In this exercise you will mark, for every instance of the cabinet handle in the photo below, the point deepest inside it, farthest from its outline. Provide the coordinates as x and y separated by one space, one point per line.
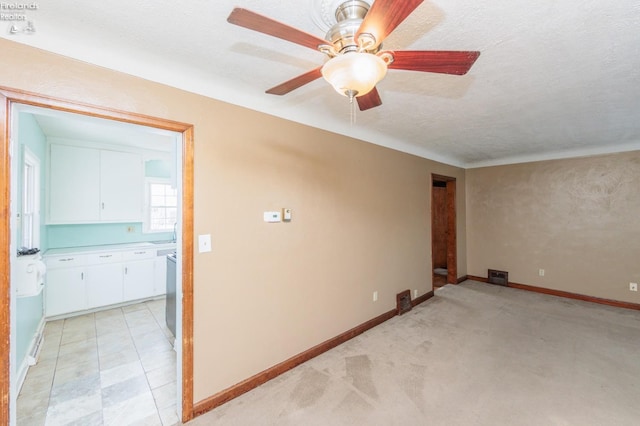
139 252
102 206
68 259
106 255
82 275
126 270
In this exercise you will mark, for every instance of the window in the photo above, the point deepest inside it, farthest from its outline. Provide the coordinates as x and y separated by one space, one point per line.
163 207
30 220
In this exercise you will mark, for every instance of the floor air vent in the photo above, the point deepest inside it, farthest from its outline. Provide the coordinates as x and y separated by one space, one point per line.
498 277
403 300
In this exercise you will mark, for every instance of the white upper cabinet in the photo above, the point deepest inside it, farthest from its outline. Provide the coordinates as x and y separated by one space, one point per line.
88 185
74 184
121 186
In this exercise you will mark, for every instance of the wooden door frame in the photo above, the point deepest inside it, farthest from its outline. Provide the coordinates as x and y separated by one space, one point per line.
8 97
452 249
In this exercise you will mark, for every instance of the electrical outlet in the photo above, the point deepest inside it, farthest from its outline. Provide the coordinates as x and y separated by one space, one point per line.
375 296
415 293
633 286
541 272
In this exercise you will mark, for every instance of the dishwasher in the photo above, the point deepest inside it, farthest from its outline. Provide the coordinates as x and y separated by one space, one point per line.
170 305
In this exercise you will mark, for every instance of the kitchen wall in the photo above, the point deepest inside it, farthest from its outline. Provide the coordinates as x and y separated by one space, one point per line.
29 310
158 169
577 219
361 219
91 234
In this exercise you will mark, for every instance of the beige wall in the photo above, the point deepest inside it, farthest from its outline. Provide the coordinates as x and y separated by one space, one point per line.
578 219
361 219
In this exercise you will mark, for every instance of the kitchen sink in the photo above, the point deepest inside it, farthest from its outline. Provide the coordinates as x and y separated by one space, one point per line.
164 252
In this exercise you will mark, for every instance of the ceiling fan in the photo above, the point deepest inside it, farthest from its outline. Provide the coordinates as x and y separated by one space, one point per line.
357 61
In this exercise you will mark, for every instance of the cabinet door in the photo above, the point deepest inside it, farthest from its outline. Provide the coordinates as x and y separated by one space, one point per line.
65 291
138 279
160 276
104 285
74 184
121 186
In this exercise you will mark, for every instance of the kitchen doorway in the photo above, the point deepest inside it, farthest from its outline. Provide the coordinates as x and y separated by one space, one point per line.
443 230
13 103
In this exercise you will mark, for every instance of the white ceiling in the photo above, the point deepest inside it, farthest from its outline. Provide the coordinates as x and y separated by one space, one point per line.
554 79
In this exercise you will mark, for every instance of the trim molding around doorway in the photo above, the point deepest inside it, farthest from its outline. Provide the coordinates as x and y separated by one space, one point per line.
10 96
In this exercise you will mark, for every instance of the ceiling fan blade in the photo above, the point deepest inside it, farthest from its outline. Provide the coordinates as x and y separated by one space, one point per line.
294 83
384 16
442 61
253 21
370 100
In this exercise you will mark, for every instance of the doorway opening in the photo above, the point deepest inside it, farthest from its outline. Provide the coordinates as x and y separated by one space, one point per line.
11 105
443 230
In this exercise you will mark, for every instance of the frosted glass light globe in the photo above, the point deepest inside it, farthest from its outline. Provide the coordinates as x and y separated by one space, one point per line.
354 73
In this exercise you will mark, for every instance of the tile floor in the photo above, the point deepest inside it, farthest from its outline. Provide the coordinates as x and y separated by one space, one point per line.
114 367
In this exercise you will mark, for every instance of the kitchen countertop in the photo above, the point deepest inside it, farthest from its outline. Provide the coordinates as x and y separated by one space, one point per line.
110 247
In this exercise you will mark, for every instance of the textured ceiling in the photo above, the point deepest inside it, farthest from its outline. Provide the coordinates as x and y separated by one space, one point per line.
555 79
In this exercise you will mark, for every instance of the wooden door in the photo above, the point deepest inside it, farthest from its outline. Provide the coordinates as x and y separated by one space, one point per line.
443 226
439 226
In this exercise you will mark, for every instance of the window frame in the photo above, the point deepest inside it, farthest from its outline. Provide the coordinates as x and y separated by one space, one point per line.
30 201
146 228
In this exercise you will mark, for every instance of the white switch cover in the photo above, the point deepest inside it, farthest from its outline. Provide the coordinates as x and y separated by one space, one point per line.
272 216
204 243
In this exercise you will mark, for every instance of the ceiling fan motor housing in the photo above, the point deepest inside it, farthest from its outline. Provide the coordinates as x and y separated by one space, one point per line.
352 9
349 17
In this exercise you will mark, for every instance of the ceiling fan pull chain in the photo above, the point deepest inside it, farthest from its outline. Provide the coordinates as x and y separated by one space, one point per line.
352 107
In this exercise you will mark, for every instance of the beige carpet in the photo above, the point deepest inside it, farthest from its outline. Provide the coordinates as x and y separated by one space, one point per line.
475 354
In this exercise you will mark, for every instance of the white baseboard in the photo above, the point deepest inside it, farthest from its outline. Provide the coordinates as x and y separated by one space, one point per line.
31 358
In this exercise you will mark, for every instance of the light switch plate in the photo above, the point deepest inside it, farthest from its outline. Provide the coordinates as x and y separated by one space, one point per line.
286 215
204 243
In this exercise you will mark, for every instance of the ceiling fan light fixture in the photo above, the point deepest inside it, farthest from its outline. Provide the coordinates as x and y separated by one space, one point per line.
354 73
354 45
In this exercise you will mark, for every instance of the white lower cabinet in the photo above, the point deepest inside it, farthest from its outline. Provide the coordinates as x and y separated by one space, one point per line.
65 291
104 285
138 279
138 273
77 282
